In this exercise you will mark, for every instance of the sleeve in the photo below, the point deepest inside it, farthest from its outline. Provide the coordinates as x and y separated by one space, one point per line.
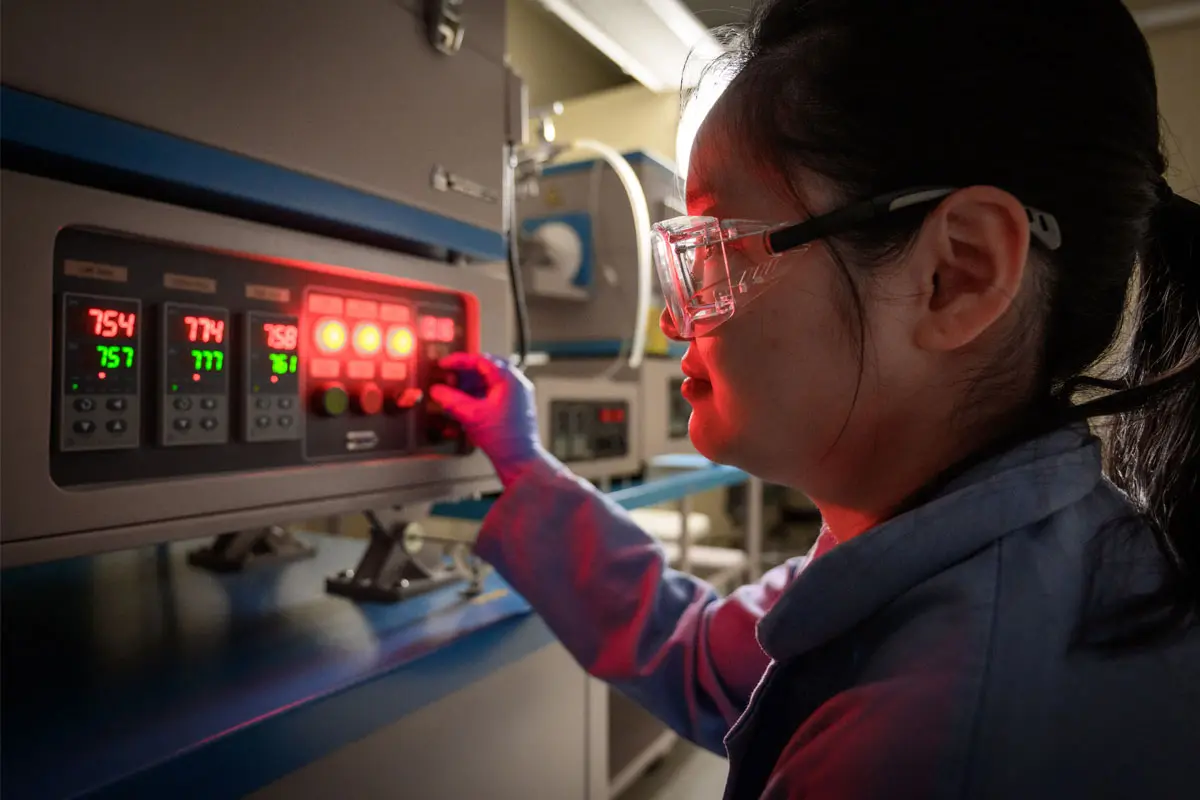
602 585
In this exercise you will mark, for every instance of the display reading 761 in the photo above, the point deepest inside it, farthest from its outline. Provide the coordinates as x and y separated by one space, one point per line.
195 348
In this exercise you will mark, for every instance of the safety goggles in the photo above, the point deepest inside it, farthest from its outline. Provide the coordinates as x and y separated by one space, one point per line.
710 267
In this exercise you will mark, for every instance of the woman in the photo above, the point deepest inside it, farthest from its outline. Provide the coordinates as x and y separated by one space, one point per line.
985 614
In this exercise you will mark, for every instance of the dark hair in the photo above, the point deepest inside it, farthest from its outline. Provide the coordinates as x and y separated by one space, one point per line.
1054 101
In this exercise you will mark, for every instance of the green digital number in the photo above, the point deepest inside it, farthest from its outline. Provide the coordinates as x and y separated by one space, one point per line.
283 364
208 360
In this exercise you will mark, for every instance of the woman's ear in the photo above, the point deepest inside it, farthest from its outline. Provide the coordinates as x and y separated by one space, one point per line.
975 247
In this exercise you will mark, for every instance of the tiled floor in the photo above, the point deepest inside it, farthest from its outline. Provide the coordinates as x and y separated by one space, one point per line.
688 773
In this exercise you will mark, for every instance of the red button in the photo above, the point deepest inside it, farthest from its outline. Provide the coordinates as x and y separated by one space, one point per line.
370 399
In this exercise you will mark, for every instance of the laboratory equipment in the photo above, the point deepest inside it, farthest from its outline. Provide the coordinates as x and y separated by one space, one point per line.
227 279
586 259
408 101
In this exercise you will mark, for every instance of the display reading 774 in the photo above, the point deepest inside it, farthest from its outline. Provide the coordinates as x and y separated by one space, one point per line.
195 349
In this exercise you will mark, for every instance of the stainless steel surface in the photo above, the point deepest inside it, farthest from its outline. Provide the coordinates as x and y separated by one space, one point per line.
349 91
40 520
519 733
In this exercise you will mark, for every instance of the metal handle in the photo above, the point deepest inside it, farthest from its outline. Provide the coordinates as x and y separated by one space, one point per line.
444 22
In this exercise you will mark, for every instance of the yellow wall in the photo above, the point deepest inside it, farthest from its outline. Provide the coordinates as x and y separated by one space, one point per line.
628 118
555 62
1176 53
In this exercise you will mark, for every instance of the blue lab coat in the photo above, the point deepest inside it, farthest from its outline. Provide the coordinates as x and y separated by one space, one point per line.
933 656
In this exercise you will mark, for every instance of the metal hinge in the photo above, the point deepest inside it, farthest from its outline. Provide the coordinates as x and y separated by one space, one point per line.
444 21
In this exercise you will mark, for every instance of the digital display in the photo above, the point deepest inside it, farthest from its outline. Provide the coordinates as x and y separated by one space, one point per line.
273 343
196 347
100 345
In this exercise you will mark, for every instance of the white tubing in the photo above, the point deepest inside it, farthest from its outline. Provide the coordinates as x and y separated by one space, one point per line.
641 225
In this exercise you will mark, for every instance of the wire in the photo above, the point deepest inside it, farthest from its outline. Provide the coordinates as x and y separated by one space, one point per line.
641 220
520 306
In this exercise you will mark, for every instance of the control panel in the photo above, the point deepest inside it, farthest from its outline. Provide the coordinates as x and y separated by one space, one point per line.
173 361
587 430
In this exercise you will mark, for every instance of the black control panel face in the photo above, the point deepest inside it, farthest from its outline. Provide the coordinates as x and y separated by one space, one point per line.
679 411
588 430
172 361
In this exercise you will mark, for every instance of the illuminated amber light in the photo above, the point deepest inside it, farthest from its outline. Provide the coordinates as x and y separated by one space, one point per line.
400 342
331 335
367 339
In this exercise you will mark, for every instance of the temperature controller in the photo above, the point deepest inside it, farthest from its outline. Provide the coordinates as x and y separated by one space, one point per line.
175 362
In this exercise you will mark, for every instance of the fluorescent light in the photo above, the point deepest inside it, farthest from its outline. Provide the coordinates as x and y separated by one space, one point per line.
651 40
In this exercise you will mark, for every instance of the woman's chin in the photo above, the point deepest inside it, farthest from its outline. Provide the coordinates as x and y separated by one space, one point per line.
709 438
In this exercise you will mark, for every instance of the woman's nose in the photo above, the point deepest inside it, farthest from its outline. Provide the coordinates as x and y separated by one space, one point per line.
667 325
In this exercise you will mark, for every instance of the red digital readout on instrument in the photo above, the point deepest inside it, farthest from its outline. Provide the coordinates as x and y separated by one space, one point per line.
112 324
281 336
437 329
205 329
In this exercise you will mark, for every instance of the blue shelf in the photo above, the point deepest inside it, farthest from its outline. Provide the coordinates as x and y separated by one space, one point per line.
703 476
133 674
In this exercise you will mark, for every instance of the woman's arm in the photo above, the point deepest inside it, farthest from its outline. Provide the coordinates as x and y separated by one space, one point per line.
602 585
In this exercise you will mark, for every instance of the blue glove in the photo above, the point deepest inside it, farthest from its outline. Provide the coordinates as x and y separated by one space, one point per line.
500 419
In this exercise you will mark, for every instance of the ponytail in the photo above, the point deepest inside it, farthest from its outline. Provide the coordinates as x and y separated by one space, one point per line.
1154 442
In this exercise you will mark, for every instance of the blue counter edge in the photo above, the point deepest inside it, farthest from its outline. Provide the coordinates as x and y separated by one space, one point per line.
51 127
261 753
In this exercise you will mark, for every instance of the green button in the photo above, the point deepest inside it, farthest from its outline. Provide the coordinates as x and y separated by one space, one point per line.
336 401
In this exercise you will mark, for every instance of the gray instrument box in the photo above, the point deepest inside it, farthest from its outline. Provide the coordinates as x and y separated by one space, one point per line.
599 301
351 91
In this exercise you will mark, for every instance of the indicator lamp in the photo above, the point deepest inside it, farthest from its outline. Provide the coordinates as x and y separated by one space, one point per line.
400 342
367 339
331 335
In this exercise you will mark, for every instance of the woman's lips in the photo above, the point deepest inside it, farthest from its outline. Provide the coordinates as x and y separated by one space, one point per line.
694 389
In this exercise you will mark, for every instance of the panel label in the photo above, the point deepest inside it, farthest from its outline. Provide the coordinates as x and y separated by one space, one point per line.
99 272
190 283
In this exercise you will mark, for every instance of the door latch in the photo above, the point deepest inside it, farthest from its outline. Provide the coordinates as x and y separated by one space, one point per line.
444 22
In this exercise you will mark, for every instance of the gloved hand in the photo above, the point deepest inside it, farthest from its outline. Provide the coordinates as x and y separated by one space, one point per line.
502 421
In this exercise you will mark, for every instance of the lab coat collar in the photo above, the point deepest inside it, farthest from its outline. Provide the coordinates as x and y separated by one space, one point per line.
854 580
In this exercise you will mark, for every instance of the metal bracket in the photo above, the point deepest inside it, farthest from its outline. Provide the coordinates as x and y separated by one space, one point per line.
389 571
234 552
444 22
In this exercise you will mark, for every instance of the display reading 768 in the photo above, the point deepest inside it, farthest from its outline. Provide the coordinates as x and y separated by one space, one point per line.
196 348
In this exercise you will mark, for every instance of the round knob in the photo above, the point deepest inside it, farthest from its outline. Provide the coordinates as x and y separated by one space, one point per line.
369 399
409 398
331 400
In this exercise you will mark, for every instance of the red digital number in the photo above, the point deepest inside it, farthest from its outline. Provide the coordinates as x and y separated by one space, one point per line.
428 328
111 323
445 330
281 336
205 329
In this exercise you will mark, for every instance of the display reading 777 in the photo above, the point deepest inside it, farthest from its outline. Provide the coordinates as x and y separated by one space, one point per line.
195 347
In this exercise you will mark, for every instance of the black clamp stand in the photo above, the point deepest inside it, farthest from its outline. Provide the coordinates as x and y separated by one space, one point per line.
234 552
389 571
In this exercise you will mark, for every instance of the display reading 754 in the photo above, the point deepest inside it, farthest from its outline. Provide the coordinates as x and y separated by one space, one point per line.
100 345
196 347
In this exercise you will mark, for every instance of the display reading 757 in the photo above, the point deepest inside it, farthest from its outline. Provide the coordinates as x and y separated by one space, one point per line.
196 343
